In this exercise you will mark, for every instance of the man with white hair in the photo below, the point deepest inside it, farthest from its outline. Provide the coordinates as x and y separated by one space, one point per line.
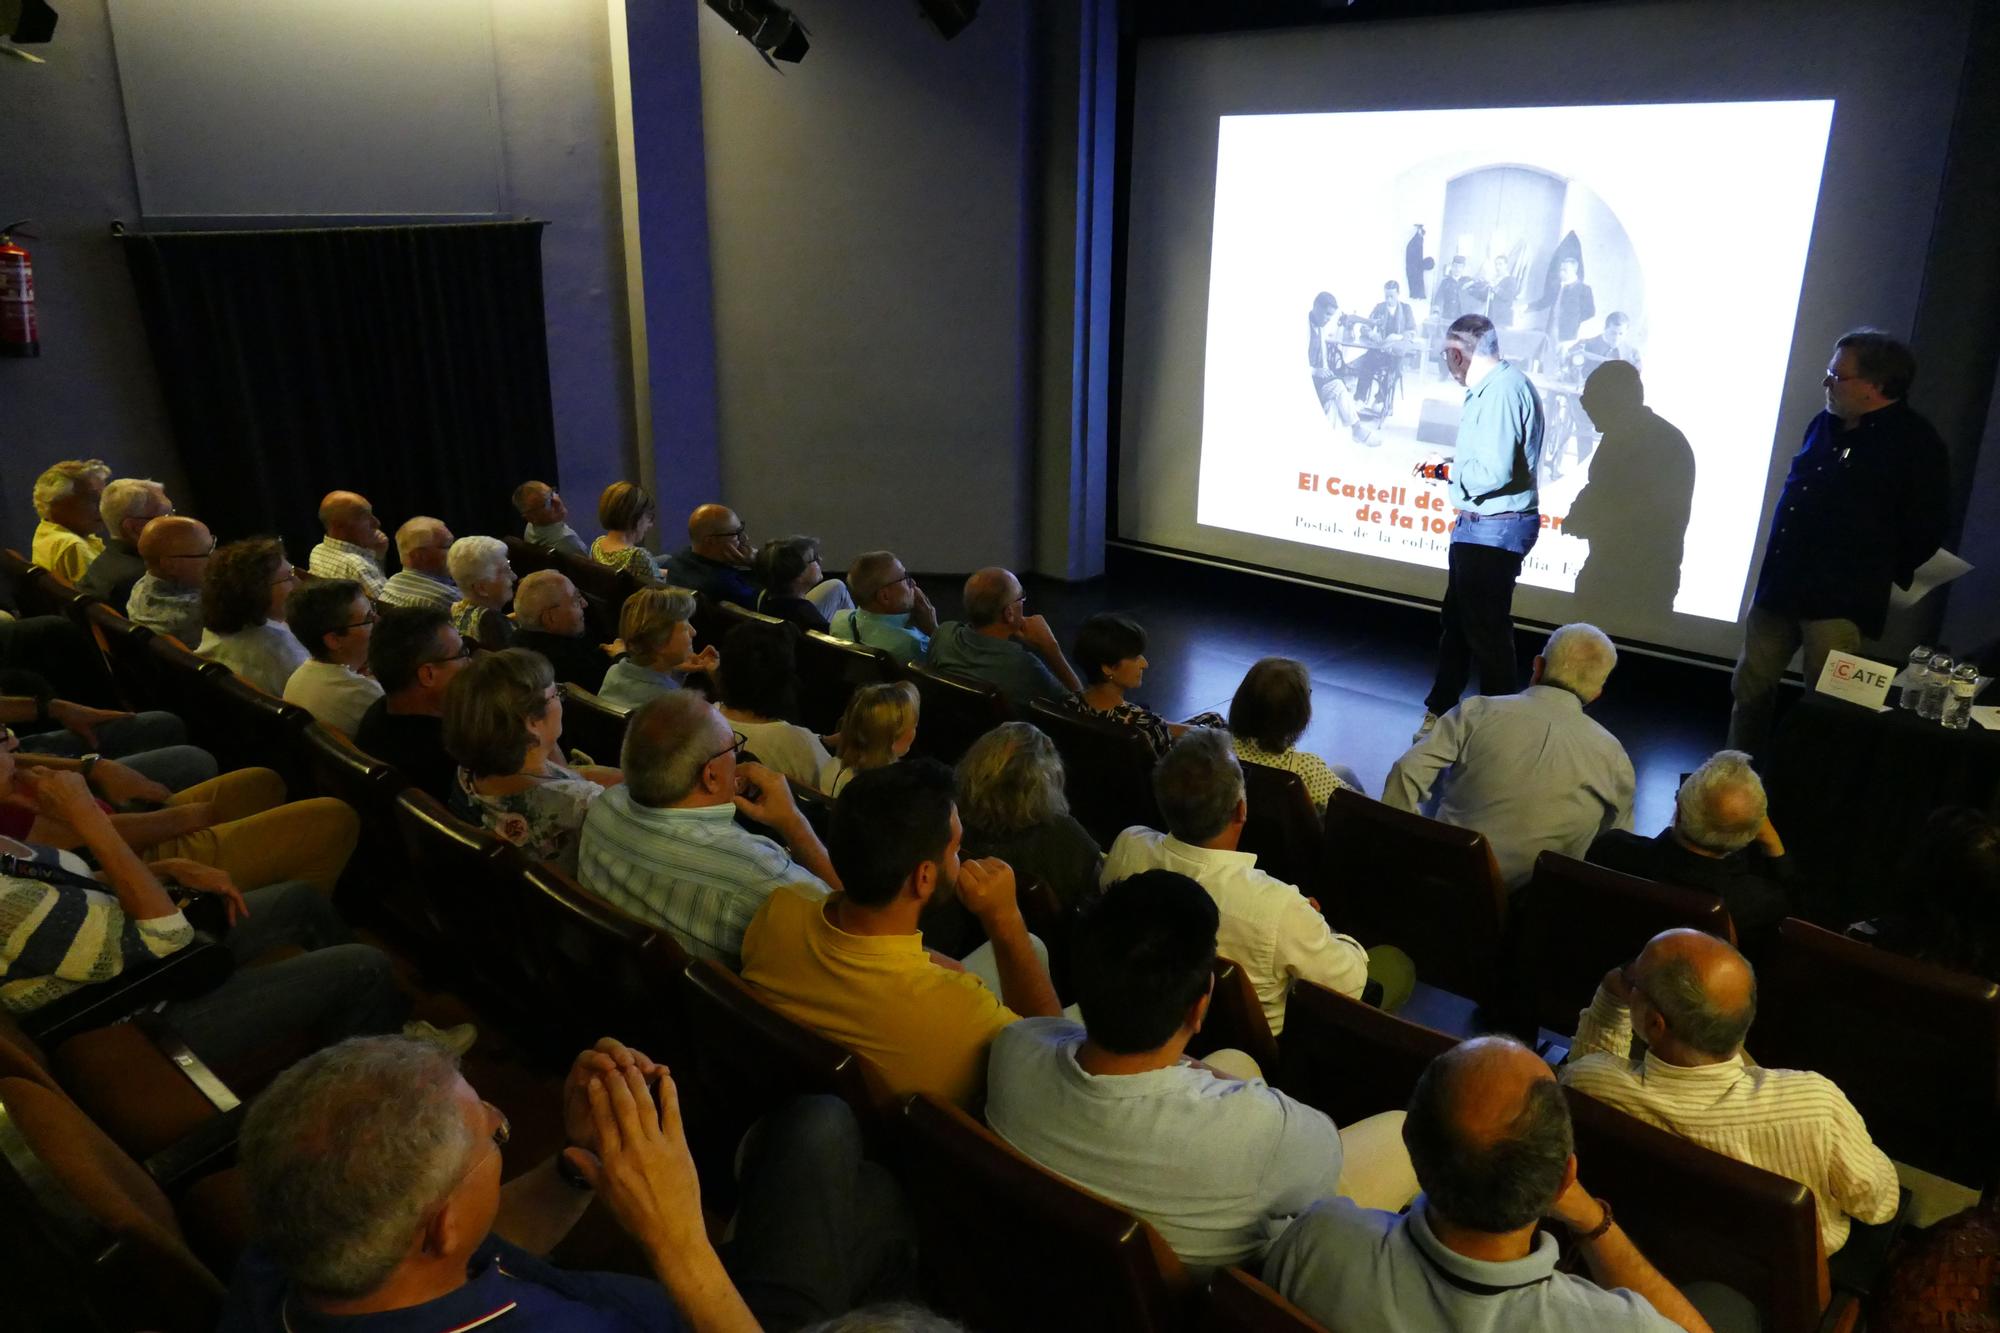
66 500
354 542
129 504
549 617
422 544
546 519
1721 842
1528 770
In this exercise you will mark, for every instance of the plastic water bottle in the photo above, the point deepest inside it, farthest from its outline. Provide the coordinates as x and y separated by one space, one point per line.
1914 680
1957 712
1930 704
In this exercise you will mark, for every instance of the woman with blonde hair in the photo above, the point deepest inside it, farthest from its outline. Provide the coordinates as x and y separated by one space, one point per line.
485 582
877 729
625 512
656 626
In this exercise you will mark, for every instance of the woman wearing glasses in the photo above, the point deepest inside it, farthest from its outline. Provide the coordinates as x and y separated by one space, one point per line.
243 594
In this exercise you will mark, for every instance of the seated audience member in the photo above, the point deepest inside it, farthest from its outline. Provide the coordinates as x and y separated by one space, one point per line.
1000 643
1208 1153
656 626
547 519
374 1170
789 569
128 504
485 582
414 654
167 597
1011 797
1489 1133
854 965
354 542
333 618
92 929
1951 893
61 733
1528 770
716 560
1721 842
550 618
625 512
890 611
1111 661
1270 929
423 545
35 650
1271 709
243 598
878 728
67 498
665 846
1690 999
502 719
757 679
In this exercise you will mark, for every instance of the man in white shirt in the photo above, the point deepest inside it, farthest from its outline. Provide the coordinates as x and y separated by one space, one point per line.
1211 1160
421 545
546 519
354 542
167 597
1528 770
1268 928
334 619
1690 998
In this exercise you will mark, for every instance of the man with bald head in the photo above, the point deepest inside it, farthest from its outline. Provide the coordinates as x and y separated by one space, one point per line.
1528 770
1489 1133
167 598
1688 1000
1000 643
354 542
716 560
549 618
890 611
423 581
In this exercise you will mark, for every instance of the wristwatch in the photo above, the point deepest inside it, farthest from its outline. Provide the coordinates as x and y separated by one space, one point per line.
89 763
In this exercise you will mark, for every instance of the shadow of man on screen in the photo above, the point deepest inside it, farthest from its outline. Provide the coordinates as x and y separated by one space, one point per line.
1634 509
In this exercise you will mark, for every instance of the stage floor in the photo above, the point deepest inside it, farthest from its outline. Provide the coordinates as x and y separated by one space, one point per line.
1371 664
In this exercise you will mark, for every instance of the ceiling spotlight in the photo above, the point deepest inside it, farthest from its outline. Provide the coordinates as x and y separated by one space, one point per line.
774 30
949 16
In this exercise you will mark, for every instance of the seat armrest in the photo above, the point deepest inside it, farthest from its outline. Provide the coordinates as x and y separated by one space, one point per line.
171 1044
195 970
204 1152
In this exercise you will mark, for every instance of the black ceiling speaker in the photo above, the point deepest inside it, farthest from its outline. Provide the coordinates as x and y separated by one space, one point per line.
774 30
949 16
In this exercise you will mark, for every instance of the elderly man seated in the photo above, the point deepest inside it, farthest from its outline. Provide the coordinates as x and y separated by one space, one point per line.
67 498
890 610
665 845
716 560
549 618
1204 1151
1528 770
353 545
1269 928
414 655
129 504
422 545
167 598
1489 1133
1721 842
546 519
1000 643
1690 998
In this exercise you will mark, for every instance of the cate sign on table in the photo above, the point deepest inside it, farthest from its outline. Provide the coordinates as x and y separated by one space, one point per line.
1855 679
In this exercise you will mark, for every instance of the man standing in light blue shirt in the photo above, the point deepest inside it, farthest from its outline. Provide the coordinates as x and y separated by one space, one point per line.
1493 474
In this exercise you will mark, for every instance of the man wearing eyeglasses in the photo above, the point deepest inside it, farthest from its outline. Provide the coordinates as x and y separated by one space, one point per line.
1000 643
422 545
546 518
1864 505
414 654
716 560
167 598
128 505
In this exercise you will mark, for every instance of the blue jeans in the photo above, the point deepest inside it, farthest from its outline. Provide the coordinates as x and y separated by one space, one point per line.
336 989
153 744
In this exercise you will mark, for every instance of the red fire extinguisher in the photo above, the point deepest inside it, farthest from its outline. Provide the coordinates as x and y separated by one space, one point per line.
17 298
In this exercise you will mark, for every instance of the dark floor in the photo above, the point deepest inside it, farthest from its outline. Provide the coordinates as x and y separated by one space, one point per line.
1371 662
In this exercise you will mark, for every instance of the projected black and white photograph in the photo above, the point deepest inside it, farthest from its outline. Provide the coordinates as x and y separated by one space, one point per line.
1639 265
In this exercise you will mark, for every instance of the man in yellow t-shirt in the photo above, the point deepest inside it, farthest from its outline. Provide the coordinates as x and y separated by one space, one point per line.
66 500
854 966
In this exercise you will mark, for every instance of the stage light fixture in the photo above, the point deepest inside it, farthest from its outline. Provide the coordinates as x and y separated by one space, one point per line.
774 30
949 16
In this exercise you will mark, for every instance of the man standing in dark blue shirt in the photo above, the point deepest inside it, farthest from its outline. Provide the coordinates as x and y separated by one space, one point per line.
1864 505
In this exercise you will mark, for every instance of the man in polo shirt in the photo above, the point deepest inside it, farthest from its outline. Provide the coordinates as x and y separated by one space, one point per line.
68 498
854 966
354 542
890 611
546 519
1000 643
128 505
1209 1158
664 845
1489 1133
1493 488
167 598
422 545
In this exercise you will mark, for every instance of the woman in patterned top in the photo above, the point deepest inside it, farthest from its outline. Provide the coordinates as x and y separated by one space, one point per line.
625 512
502 716
1110 659
1270 712
485 581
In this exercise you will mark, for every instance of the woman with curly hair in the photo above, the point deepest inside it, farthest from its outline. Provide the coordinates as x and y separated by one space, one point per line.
243 597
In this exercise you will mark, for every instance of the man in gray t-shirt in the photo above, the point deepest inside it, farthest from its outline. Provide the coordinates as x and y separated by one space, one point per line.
1000 643
1211 1160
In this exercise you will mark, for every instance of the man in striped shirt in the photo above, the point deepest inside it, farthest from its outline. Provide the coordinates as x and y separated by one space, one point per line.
354 542
421 545
1689 998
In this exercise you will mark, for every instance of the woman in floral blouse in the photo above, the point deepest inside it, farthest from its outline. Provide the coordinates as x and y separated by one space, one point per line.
1110 659
625 512
1271 710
